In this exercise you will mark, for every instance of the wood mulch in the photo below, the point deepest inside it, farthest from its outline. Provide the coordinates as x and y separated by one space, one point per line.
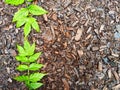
80 41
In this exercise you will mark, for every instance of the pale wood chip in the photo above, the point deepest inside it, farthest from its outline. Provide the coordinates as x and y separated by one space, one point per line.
109 73
117 87
105 88
45 17
100 66
78 34
89 36
102 28
80 52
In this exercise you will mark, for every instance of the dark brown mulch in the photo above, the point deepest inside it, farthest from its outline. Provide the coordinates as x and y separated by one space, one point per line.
80 41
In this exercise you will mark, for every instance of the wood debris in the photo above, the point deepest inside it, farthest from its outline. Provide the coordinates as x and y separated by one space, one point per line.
78 34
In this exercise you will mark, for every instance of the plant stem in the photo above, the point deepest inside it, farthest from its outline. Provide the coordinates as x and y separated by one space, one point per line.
28 74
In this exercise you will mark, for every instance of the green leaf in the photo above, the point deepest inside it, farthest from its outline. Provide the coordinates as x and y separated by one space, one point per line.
23 12
21 51
36 26
27 29
21 78
31 50
22 67
31 20
35 85
21 22
14 2
26 45
22 58
36 77
29 0
36 10
35 66
34 57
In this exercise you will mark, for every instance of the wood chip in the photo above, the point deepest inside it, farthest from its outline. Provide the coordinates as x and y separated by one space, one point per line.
117 87
100 66
109 73
105 88
80 52
116 76
95 48
66 85
45 17
78 34
88 37
54 16
102 28
53 32
89 29
10 80
8 70
115 55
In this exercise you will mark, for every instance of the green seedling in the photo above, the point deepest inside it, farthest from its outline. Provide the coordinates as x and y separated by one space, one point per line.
16 2
28 59
27 56
24 16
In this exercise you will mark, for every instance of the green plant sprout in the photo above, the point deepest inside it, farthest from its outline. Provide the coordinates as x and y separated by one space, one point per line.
28 58
24 17
26 55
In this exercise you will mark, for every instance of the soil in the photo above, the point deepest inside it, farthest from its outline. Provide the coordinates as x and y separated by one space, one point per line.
80 41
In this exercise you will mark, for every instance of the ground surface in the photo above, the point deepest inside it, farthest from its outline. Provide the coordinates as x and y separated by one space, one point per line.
80 41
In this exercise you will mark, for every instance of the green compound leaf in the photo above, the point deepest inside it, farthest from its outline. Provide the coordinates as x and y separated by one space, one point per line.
21 22
21 78
36 77
34 57
23 12
21 51
36 10
31 50
22 67
35 66
36 26
22 58
27 29
14 2
35 85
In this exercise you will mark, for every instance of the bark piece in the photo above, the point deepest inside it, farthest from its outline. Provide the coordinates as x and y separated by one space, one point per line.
66 85
78 34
